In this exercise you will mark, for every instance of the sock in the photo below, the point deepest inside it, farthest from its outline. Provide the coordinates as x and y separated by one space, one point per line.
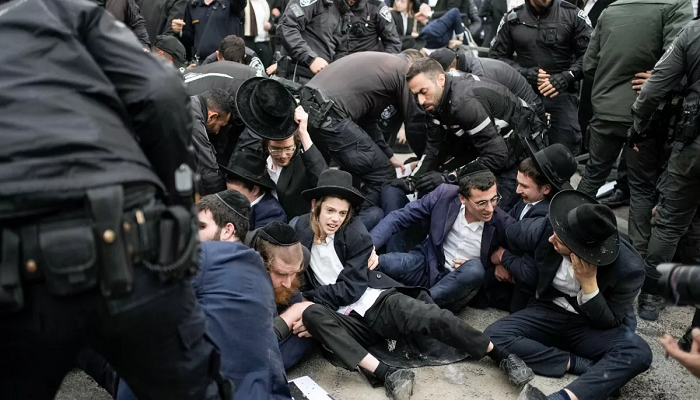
579 365
560 395
383 371
498 354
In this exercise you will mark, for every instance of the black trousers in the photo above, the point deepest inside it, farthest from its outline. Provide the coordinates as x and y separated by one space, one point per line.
356 152
545 336
607 139
393 316
564 127
677 210
262 49
154 338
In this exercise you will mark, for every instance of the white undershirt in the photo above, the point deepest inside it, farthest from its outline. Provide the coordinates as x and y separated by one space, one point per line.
463 240
326 266
528 207
256 201
565 282
274 171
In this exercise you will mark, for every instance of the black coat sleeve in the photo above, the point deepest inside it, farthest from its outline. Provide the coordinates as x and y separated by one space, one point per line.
608 313
387 32
174 9
473 16
314 163
502 44
151 92
522 239
435 136
187 32
477 125
137 24
582 37
294 20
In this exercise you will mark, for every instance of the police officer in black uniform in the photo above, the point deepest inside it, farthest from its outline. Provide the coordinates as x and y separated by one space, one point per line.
471 110
550 38
371 21
96 238
463 60
313 35
677 210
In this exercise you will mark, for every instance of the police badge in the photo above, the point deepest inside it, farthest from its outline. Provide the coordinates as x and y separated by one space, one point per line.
306 3
385 13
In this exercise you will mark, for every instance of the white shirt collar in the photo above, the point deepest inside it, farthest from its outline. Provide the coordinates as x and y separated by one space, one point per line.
256 201
473 226
271 165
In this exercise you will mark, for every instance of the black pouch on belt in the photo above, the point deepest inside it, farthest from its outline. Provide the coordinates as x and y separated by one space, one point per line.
107 211
177 253
11 296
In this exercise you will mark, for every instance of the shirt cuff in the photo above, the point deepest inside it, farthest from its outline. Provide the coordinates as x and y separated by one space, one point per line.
584 298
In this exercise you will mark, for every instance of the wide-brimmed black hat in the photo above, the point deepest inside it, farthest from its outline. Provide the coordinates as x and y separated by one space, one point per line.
587 228
266 108
558 164
172 46
249 166
333 182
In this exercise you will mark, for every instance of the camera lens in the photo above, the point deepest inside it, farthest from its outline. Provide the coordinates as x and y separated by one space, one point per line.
679 283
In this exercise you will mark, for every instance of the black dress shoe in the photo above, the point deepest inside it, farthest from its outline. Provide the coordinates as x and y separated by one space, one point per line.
617 199
686 341
530 392
518 372
399 384
650 306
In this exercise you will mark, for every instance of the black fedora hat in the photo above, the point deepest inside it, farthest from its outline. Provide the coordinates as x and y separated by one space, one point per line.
587 228
249 166
556 163
266 108
333 182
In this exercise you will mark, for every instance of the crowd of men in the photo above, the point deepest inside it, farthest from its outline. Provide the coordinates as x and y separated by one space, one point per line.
197 195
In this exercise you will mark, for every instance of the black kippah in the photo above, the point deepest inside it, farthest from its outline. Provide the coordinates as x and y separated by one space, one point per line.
278 233
473 168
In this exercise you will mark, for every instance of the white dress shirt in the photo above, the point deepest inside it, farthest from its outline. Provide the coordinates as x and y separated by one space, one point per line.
463 240
565 282
326 267
256 201
274 171
528 207
404 18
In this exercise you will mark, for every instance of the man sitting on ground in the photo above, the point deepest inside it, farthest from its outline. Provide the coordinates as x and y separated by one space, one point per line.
466 226
587 281
356 308
246 173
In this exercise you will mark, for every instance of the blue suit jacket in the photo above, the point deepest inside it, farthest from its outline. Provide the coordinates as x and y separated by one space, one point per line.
441 207
235 292
540 209
267 210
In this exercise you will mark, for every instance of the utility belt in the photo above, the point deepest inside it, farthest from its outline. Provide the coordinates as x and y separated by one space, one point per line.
98 245
687 124
320 109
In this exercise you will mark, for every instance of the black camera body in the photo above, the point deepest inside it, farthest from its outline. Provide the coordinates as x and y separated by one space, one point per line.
680 283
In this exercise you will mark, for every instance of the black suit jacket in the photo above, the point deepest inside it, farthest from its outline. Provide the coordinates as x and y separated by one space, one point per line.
301 174
540 209
407 41
619 283
353 246
267 210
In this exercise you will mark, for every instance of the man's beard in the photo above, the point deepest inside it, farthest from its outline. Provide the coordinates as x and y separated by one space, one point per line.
283 294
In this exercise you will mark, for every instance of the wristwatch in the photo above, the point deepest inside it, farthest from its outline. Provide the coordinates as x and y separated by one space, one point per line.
451 177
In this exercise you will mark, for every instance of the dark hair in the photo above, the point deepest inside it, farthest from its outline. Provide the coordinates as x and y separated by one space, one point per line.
219 100
480 180
243 182
223 215
530 169
427 66
232 48
412 55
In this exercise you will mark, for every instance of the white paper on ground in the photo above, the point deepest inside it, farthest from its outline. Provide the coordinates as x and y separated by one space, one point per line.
606 188
310 389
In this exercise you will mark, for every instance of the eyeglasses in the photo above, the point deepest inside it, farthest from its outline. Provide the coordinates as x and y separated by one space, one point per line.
483 203
287 151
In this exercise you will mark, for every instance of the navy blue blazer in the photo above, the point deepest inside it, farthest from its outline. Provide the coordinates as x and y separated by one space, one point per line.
540 209
521 265
235 292
441 207
267 210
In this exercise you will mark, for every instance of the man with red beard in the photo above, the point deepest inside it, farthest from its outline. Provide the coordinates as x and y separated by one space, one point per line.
284 258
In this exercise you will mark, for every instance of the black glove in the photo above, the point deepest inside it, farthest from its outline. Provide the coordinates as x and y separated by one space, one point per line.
401 184
561 81
634 137
530 75
429 181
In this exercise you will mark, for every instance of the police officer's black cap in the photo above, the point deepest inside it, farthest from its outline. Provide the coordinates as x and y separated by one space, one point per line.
444 56
278 233
172 46
266 108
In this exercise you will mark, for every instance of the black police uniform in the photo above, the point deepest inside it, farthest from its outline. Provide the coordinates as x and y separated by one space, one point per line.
677 210
206 25
352 93
554 40
251 59
371 21
310 29
471 112
89 150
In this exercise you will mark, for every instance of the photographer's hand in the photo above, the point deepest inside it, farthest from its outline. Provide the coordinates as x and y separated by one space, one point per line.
691 361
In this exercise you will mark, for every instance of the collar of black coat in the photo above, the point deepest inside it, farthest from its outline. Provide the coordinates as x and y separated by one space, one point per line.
203 106
446 94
